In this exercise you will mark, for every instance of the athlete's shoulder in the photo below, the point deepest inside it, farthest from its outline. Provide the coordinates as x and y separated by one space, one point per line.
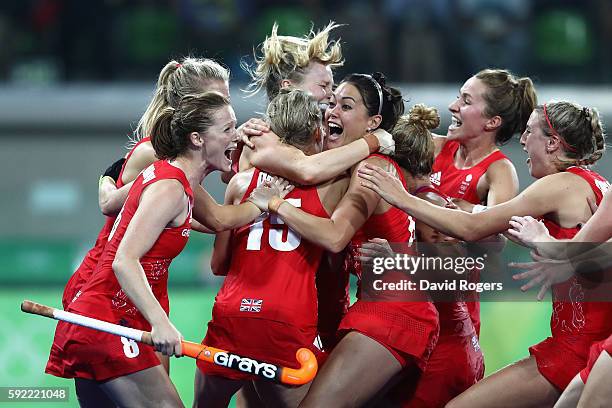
439 142
238 186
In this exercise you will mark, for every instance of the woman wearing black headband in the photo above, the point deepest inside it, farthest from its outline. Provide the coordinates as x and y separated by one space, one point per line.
378 338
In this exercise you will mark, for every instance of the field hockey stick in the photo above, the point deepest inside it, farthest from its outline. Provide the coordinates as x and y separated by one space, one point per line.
268 371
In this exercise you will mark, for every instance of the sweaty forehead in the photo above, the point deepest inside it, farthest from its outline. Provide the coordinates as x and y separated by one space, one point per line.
348 90
474 87
320 72
216 85
224 115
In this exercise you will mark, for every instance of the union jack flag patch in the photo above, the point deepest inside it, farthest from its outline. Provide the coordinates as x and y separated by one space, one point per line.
251 305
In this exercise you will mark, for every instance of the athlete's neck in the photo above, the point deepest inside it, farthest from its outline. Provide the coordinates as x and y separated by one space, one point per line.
473 151
195 172
413 183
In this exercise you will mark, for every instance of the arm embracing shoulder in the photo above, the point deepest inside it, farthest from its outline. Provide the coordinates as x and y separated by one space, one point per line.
221 217
291 163
334 233
538 199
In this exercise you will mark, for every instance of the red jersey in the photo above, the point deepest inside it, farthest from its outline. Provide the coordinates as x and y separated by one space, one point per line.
84 271
267 306
578 316
408 329
454 316
574 324
272 270
102 296
80 352
461 183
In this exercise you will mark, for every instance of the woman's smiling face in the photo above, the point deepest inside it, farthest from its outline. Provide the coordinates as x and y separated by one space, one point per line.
346 117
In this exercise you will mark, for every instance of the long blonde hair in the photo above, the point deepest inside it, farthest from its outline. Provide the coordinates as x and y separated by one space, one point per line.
287 57
177 79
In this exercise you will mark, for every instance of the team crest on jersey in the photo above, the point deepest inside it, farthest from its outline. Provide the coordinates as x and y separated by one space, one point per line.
435 178
465 184
251 305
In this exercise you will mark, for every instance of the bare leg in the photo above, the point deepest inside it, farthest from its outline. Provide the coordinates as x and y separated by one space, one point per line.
515 386
247 397
277 395
356 370
571 395
146 388
212 391
598 391
90 395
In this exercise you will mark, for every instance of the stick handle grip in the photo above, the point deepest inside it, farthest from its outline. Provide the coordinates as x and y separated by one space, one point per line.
146 338
36 308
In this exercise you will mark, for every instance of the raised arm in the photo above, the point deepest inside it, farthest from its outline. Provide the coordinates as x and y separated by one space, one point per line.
542 197
274 157
110 198
535 235
161 204
332 233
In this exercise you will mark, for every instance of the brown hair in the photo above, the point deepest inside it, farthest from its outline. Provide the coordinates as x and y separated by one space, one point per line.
294 116
512 98
288 57
579 127
414 146
170 131
392 103
177 79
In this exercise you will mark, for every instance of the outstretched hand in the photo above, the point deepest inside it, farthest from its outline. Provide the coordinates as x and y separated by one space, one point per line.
528 231
388 186
544 272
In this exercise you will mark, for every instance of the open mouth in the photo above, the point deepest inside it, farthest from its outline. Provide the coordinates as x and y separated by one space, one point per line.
228 153
455 123
335 130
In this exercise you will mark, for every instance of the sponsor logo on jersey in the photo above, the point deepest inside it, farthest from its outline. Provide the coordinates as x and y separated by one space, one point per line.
251 305
148 174
602 185
435 178
246 365
185 232
465 184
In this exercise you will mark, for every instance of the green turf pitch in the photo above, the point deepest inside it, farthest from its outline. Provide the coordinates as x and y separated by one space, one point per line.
507 330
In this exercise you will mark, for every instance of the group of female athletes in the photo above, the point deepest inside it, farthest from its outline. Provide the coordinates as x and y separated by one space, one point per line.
363 173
